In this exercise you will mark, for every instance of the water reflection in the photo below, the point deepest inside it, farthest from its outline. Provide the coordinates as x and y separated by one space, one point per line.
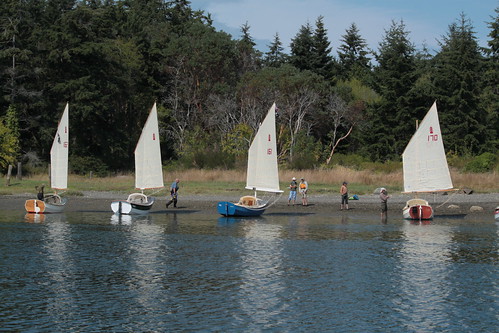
44 218
281 272
148 254
261 272
124 219
225 221
59 266
34 218
424 268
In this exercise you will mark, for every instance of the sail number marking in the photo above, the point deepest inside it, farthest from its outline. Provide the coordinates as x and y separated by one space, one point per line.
431 136
269 150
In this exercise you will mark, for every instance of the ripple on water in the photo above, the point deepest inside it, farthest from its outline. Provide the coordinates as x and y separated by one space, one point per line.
90 272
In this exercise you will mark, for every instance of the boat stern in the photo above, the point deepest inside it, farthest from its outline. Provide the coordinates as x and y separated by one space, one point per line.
34 206
418 212
121 207
226 208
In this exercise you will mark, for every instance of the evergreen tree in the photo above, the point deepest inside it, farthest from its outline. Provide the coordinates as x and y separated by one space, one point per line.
422 94
457 81
179 13
112 59
249 57
493 43
302 49
392 119
17 70
275 57
246 38
103 76
353 56
310 50
321 51
490 92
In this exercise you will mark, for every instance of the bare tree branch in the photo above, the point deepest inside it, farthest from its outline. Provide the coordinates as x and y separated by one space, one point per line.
342 116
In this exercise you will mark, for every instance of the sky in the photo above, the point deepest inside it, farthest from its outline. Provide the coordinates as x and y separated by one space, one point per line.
426 20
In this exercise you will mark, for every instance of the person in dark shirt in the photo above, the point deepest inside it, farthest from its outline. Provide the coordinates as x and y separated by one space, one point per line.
173 193
40 195
344 196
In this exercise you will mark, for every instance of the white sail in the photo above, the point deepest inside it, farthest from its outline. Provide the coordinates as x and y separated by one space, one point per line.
148 168
424 161
262 173
59 154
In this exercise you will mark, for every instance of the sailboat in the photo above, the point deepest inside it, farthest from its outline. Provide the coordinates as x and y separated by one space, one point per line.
262 172
54 203
148 169
425 166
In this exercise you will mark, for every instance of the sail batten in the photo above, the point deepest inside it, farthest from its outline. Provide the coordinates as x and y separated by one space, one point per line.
59 153
262 173
424 162
148 167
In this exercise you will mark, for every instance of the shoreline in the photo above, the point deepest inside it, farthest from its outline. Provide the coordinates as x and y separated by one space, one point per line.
452 204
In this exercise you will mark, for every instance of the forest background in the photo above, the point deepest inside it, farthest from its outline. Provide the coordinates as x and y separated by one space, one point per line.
111 60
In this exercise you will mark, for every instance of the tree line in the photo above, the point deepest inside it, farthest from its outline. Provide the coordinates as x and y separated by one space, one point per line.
112 59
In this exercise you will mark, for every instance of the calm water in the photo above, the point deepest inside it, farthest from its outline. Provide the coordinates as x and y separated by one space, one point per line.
188 271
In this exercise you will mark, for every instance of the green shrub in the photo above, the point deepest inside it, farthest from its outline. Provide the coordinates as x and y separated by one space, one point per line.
173 165
303 161
386 167
457 162
206 159
84 165
482 163
32 164
352 161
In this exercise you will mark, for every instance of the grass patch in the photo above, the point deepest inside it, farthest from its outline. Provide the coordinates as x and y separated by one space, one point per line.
321 181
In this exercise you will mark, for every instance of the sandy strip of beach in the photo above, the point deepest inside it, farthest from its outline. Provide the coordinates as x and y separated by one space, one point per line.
453 203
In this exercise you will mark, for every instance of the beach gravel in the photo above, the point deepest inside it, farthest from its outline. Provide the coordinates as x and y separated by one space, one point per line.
452 203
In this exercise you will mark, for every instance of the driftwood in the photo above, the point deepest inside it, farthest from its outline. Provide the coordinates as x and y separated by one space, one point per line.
19 175
9 173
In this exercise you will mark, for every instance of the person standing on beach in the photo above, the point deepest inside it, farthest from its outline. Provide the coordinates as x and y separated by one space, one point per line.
344 196
292 191
303 192
173 193
383 195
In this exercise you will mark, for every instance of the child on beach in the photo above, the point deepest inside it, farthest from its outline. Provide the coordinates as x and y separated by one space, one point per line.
303 192
344 196
383 195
